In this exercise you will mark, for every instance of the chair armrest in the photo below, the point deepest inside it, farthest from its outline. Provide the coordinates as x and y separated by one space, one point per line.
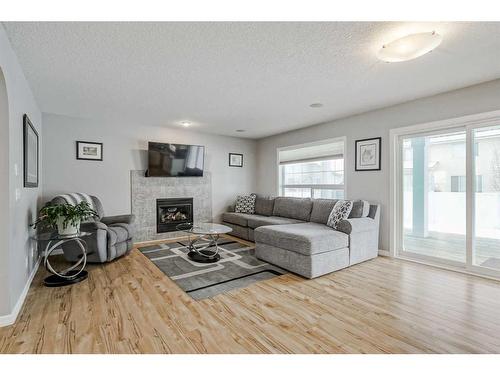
358 225
92 225
119 219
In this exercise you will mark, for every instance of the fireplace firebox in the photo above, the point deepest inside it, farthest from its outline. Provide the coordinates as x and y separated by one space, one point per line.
172 212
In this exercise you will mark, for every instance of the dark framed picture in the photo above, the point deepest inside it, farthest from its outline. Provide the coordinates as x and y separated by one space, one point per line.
368 154
30 146
235 160
88 150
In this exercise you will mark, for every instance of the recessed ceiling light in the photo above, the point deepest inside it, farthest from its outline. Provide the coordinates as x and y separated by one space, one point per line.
316 105
186 124
240 130
409 47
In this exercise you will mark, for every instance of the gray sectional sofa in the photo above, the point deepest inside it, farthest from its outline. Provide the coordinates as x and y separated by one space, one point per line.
292 233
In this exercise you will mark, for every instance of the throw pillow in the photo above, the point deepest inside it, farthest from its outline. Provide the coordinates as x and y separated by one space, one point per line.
245 204
340 211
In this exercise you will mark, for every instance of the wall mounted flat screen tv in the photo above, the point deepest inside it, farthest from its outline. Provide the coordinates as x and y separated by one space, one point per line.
174 160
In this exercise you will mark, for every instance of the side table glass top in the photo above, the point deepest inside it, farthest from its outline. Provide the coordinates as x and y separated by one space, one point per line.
204 228
54 236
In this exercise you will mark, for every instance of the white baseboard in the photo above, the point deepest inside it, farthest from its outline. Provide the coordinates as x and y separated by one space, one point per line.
6 320
384 253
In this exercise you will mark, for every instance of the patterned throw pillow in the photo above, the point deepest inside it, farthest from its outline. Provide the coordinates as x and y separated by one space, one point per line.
340 211
245 204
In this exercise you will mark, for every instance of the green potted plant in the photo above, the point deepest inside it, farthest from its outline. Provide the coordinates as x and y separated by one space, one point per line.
65 217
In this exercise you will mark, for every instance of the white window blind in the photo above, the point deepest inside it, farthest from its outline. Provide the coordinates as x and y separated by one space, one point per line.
315 171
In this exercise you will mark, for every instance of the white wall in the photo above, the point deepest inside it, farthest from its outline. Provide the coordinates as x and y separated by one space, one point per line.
125 149
374 186
4 196
19 255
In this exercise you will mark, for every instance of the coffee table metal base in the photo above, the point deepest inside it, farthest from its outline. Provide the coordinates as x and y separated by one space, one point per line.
56 280
204 256
199 248
203 241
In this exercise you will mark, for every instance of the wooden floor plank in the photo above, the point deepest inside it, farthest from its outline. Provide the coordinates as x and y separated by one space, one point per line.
381 306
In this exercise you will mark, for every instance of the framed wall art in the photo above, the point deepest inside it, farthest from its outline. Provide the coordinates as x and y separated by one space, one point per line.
235 160
368 154
30 151
88 150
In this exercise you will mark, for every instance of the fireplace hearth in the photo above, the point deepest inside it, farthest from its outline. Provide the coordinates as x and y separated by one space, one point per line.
171 212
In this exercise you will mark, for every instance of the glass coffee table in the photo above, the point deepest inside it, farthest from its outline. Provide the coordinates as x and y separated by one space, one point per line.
201 238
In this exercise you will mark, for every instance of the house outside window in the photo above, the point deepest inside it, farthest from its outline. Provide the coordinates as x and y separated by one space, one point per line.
458 184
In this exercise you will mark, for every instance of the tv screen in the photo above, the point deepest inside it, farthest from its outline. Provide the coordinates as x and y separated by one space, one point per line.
174 160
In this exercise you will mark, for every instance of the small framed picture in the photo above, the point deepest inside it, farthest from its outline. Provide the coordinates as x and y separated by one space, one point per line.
88 150
235 160
30 145
368 154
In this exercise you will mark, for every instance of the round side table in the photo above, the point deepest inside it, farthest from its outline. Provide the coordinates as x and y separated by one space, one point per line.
71 275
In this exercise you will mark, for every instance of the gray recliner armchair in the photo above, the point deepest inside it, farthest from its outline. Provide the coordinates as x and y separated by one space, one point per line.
111 236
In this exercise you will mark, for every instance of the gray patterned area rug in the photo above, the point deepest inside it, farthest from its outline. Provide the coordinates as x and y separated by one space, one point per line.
237 268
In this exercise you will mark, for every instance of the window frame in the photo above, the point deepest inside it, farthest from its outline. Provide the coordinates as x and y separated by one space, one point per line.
280 188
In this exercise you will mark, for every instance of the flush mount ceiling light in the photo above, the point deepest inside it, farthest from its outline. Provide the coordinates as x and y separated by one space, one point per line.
409 47
316 105
186 124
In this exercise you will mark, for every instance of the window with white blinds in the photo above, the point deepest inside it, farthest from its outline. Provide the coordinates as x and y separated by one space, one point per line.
314 170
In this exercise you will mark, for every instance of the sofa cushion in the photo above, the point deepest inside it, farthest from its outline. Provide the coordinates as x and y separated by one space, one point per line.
236 218
321 210
304 238
258 221
264 205
293 208
360 208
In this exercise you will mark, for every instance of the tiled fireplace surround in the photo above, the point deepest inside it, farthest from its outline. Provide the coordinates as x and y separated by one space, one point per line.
146 190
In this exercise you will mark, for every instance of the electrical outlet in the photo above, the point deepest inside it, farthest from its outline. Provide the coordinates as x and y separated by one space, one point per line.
18 194
16 170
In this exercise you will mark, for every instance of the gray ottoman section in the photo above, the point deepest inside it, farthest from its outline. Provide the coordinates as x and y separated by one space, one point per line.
308 249
306 238
309 266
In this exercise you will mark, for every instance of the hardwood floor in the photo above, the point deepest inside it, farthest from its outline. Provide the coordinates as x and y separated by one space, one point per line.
381 306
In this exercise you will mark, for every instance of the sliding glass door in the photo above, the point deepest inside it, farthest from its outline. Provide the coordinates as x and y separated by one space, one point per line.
447 196
486 240
434 202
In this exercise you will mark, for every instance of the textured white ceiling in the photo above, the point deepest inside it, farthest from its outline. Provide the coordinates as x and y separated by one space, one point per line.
260 77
